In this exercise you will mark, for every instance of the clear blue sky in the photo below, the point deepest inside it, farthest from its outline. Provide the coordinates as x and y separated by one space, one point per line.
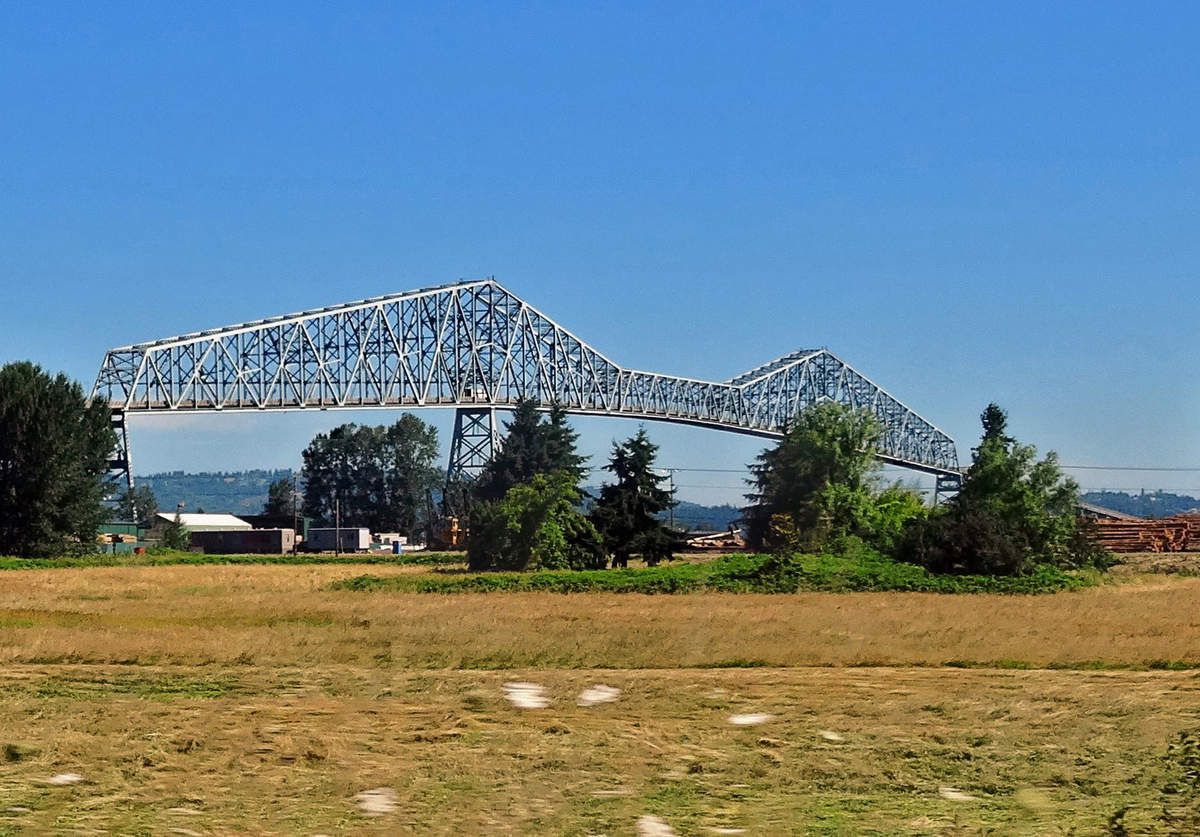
968 203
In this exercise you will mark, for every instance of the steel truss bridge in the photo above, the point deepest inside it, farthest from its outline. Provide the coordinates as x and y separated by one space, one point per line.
477 347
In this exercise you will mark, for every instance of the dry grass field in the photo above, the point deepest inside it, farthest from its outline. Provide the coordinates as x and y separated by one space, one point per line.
253 699
285 615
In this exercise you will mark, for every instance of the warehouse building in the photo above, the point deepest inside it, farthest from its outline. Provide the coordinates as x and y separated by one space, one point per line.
200 522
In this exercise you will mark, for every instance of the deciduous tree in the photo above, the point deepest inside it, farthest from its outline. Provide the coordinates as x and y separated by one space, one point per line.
819 476
536 526
378 477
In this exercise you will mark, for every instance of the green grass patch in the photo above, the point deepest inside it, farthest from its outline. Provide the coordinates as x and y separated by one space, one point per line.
193 558
149 686
863 571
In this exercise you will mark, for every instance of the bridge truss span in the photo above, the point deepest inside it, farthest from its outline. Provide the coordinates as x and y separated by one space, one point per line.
476 346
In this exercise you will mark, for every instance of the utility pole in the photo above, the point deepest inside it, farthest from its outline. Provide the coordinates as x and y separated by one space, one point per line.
337 526
295 516
671 477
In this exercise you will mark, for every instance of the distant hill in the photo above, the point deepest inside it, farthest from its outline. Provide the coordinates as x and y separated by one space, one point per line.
688 515
1145 504
697 517
236 492
245 492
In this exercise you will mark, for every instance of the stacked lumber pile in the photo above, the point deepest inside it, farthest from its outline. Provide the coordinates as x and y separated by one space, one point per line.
716 541
1169 534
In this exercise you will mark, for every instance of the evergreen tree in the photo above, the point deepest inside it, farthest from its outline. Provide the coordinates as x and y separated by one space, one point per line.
283 500
136 504
519 457
532 445
536 451
54 451
559 442
626 513
176 535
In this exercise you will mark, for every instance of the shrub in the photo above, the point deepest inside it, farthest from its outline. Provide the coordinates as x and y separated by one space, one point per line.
859 568
535 526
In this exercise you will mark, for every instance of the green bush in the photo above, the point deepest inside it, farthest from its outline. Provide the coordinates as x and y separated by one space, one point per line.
535 526
858 569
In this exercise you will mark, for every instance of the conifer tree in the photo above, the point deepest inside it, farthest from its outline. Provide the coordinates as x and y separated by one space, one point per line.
532 445
176 535
136 505
626 513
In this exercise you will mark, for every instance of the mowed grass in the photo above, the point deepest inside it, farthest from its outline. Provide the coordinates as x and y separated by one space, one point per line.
256 750
234 699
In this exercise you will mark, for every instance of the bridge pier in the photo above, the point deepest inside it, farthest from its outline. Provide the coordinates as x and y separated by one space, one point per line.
947 486
119 464
120 468
476 440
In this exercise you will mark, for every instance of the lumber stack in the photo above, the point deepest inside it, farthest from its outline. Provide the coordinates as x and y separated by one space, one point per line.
716 541
1169 534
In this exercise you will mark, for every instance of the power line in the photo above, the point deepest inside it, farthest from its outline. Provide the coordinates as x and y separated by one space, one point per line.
694 470
700 485
1126 468
1065 467
1140 488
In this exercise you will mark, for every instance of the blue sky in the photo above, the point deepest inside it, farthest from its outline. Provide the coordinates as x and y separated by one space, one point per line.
968 203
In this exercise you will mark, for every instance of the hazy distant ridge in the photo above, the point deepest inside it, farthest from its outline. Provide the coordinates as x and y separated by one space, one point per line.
245 492
236 492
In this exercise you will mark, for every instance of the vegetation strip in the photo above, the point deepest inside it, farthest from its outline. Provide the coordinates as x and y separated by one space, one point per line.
197 559
864 571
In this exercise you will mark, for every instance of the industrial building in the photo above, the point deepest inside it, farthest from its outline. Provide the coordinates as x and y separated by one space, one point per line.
245 541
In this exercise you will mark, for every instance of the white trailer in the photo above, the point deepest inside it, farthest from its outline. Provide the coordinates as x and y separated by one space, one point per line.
346 539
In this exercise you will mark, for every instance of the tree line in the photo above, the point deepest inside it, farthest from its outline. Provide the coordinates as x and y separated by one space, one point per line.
526 510
817 489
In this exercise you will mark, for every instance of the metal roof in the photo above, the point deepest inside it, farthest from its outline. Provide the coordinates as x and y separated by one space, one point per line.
199 520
